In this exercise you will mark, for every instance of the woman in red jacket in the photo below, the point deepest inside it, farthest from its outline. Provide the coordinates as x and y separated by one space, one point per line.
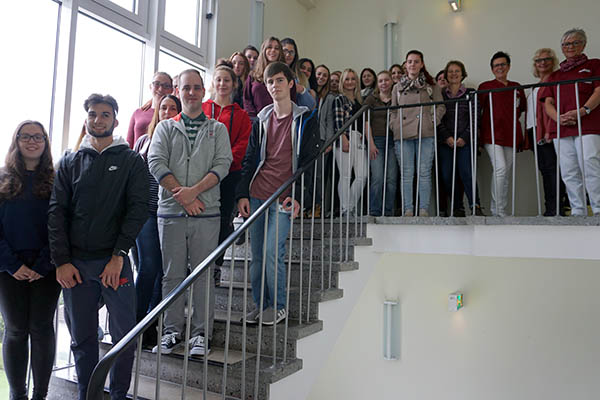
222 108
498 140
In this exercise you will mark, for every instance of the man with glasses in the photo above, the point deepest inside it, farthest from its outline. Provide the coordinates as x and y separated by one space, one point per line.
99 204
189 155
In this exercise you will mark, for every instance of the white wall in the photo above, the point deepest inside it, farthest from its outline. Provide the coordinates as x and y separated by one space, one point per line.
345 33
529 330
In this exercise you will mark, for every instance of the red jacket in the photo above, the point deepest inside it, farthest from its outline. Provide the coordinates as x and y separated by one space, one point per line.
238 125
503 114
589 123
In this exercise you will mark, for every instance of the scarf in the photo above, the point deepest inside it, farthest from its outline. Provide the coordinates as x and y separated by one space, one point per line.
571 63
462 90
412 84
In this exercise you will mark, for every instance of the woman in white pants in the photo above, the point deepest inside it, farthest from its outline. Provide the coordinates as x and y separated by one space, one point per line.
579 143
351 156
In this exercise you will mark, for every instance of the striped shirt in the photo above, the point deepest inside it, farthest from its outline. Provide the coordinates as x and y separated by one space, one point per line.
192 126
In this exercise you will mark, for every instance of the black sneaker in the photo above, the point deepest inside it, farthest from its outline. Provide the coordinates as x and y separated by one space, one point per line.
252 317
199 346
168 343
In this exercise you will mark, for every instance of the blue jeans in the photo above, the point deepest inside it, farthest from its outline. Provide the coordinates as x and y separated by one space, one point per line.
407 151
148 284
377 178
81 308
463 170
257 235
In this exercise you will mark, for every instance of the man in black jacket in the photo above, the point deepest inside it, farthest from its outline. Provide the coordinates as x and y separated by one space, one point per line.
284 138
98 206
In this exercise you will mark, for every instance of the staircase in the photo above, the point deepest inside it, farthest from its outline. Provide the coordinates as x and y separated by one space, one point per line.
311 284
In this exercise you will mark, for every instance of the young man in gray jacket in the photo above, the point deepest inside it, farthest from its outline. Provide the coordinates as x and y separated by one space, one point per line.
189 155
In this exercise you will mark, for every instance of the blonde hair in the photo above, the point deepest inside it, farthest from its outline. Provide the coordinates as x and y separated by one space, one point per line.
537 54
384 72
356 93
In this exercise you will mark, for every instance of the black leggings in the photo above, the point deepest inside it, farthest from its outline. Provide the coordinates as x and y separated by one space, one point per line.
28 312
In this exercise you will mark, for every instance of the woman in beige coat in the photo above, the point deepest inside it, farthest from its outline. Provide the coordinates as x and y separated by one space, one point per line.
413 129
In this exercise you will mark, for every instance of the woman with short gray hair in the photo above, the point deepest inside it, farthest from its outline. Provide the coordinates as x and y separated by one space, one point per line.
579 121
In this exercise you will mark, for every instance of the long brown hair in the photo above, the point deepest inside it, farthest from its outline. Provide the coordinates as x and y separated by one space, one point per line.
11 181
262 62
246 69
156 118
428 78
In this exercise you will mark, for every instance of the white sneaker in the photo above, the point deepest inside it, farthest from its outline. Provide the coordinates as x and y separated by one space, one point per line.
199 347
271 318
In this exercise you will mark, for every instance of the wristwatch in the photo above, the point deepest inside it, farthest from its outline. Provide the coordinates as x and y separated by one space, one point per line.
121 253
587 110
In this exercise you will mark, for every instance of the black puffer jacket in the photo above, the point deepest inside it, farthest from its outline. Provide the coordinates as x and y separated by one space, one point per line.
99 203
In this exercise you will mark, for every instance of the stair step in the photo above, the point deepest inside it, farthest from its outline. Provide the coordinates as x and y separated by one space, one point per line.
64 386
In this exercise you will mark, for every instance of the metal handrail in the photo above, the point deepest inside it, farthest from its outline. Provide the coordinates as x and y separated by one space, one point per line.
496 90
98 378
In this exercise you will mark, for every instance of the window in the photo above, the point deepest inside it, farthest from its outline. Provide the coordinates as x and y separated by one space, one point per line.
184 19
107 61
27 69
173 65
129 5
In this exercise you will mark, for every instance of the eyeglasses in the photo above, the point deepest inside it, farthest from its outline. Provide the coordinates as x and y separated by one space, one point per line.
500 65
542 60
157 84
289 52
574 43
24 137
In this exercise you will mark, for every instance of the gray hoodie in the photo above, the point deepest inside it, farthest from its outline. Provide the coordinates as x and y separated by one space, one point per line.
171 153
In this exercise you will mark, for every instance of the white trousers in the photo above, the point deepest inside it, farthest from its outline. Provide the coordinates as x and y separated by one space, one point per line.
355 160
573 161
502 166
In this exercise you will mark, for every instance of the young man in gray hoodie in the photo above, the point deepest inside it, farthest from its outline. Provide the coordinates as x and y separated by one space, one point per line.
189 155
284 138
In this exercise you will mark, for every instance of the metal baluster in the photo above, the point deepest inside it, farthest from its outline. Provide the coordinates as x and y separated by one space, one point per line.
340 195
558 149
138 356
186 342
289 276
56 336
312 232
514 160
301 246
385 161
209 285
244 312
474 152
401 162
471 129
275 280
535 153
351 203
454 159
228 322
417 206
158 355
261 303
333 189
494 163
368 172
435 154
363 168
322 221
581 147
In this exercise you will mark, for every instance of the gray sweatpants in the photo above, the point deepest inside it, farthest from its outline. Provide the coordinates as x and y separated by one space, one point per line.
185 243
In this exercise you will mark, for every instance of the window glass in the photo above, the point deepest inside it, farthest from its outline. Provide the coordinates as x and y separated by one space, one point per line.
173 65
106 62
27 73
129 5
180 19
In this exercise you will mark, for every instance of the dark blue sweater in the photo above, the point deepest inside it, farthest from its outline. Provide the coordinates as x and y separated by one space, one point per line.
24 232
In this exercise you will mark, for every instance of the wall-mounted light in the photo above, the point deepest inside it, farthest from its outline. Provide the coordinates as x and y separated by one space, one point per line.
455 5
391 330
455 301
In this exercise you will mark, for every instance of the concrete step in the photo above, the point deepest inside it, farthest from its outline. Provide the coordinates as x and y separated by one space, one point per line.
63 385
316 296
338 253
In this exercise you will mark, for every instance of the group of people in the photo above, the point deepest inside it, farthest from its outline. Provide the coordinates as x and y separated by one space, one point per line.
170 190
